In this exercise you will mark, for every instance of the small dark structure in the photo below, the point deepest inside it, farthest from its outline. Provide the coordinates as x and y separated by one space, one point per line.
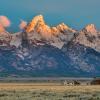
76 82
96 81
82 82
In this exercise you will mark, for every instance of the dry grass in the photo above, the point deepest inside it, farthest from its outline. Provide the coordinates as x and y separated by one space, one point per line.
48 86
47 91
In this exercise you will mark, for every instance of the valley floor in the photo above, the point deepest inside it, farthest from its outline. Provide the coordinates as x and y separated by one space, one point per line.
47 91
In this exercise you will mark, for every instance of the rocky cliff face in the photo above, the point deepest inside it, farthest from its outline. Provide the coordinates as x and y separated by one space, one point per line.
5 37
50 51
39 32
89 37
56 36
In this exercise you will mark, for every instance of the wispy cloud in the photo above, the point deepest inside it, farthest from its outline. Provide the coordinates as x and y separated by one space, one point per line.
22 24
4 21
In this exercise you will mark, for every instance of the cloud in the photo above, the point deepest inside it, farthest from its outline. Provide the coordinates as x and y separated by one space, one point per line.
2 28
23 24
4 21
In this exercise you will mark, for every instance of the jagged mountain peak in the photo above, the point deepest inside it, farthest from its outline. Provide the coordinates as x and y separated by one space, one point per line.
91 28
39 25
35 21
63 25
37 29
39 17
89 36
58 50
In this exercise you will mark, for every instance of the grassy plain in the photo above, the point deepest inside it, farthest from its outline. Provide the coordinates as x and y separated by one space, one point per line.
47 91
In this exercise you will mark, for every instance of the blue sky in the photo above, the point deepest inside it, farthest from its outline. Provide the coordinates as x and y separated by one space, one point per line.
75 13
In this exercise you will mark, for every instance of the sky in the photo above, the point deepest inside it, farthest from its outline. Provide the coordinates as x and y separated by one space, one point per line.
74 13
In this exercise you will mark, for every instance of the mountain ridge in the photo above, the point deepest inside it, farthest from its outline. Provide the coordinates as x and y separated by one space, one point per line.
52 51
37 29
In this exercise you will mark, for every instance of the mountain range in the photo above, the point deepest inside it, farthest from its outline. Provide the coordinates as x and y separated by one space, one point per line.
44 51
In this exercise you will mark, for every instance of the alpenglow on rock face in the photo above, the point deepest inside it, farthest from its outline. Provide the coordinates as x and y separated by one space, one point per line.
42 50
56 36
